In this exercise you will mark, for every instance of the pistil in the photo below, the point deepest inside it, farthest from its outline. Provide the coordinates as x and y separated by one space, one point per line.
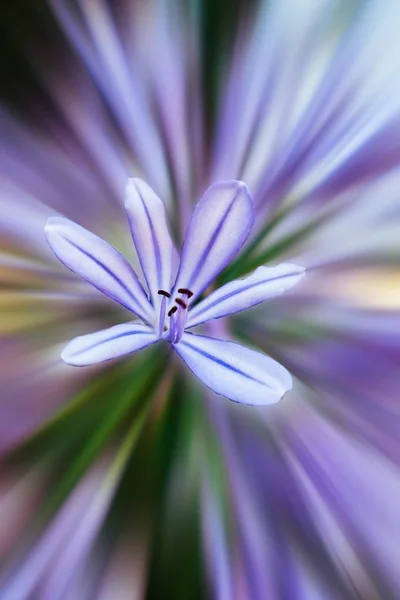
180 321
172 328
163 307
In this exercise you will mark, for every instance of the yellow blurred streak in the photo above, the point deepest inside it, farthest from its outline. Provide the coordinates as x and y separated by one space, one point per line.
24 279
19 311
20 322
377 289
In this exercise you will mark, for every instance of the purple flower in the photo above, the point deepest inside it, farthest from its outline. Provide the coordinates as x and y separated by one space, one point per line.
127 479
220 225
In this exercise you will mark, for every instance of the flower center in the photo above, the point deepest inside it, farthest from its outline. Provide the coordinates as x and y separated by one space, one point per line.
177 314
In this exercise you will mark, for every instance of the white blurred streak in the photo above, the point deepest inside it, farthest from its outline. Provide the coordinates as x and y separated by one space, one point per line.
311 588
125 576
216 550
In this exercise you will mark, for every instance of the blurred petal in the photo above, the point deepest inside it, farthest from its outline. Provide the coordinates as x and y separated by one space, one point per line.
215 544
235 296
234 371
220 224
97 263
66 538
146 213
107 344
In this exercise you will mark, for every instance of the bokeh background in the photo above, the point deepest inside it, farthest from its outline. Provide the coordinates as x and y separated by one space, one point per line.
130 480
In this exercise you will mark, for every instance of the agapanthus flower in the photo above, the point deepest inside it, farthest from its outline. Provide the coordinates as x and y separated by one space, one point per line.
131 478
220 225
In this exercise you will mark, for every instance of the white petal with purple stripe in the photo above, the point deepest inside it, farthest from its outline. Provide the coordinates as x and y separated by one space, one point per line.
107 344
148 223
220 224
264 283
229 369
97 263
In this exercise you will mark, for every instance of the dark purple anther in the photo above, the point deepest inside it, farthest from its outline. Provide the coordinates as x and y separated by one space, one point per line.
181 302
185 291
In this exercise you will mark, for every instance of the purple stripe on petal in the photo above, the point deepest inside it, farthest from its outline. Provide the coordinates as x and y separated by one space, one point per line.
149 228
97 263
107 344
264 283
222 363
234 371
220 224
211 243
103 266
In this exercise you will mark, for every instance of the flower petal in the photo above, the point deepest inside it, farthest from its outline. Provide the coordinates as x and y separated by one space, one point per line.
220 224
97 263
235 296
148 223
108 343
234 371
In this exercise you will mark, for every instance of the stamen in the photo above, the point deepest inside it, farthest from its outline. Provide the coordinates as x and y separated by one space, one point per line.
163 309
180 325
185 291
180 302
172 329
164 293
172 311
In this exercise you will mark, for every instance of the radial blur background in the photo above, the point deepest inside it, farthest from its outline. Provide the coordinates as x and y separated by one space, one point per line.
130 480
